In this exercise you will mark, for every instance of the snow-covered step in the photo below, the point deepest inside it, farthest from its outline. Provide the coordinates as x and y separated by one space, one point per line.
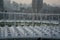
29 34
35 32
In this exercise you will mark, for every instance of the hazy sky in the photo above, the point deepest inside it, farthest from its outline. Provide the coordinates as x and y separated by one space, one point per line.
52 2
22 1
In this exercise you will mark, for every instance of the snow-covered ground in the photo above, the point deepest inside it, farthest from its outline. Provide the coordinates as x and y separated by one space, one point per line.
38 21
30 32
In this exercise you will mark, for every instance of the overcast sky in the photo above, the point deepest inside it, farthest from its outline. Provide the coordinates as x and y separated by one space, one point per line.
52 2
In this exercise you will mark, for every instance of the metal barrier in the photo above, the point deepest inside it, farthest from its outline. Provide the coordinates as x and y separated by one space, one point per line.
29 17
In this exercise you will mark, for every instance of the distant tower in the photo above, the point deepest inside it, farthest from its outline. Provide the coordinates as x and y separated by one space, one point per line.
1 6
37 5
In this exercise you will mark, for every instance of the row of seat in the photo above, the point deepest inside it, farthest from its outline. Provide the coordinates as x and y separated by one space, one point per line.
29 32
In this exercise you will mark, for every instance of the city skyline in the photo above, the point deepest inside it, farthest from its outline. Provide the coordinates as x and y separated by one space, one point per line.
46 1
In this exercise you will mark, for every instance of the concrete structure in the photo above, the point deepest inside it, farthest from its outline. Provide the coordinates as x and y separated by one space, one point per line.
37 5
50 31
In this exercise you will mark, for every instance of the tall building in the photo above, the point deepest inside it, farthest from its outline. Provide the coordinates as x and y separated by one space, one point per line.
1 5
37 5
7 5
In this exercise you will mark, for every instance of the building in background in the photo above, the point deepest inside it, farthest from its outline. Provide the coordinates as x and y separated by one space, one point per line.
1 5
7 5
37 5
